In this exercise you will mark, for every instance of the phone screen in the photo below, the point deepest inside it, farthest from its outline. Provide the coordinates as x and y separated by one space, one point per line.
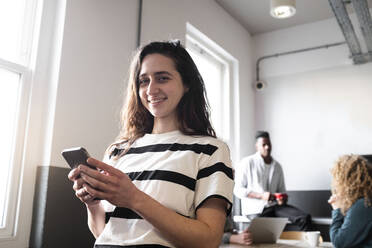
75 156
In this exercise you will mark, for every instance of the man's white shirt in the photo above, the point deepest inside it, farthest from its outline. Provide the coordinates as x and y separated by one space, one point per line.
254 175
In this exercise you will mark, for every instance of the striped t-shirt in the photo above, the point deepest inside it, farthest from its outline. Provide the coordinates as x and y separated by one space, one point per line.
177 170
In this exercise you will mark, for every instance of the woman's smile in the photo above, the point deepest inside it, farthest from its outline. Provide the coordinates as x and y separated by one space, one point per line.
160 88
156 101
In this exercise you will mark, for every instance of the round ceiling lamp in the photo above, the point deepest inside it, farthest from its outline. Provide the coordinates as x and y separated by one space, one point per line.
283 8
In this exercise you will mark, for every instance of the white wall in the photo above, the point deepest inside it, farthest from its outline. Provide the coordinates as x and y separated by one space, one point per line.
315 104
98 42
300 37
99 38
166 19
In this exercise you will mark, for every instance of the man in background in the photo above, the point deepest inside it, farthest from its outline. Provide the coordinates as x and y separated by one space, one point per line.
258 179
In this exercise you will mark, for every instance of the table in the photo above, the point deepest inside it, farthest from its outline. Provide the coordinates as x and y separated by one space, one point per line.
281 243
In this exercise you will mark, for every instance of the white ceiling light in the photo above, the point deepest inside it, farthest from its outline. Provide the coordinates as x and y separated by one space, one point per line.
283 8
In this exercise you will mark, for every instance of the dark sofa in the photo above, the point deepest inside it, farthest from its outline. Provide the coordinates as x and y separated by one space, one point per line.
314 202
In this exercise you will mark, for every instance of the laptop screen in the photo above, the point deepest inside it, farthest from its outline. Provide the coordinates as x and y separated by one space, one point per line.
267 229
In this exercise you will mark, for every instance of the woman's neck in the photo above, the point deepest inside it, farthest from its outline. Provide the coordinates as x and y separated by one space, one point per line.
164 126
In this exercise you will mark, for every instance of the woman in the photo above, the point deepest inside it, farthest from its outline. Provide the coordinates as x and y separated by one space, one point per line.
166 181
351 202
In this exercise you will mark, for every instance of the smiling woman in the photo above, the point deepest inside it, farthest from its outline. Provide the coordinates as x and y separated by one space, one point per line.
167 180
160 90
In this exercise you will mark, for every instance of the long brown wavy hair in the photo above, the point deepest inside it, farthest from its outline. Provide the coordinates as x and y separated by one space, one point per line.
192 110
352 179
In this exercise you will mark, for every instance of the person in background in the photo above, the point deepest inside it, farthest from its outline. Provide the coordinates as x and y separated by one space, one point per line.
233 236
351 202
259 183
167 180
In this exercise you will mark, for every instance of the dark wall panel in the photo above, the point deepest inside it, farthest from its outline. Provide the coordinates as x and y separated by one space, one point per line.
314 202
59 218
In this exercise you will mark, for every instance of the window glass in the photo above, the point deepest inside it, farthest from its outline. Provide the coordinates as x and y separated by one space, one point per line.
9 89
13 23
17 20
211 71
219 70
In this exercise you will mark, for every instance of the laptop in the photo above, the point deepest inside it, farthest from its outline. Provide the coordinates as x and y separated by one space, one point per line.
267 229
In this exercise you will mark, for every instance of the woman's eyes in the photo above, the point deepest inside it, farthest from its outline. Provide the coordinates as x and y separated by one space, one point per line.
162 78
158 79
144 81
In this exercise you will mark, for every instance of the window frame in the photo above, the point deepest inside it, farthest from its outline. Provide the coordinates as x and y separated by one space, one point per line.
15 171
196 47
36 105
231 77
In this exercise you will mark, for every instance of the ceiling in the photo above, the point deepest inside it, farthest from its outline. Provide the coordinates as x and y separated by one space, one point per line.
255 16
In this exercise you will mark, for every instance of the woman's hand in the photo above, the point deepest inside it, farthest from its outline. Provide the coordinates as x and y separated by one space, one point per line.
333 200
109 183
243 238
80 191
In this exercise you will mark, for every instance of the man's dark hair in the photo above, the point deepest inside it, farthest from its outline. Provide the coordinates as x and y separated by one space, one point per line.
262 134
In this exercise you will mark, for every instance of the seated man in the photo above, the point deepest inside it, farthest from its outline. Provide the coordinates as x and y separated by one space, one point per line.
258 177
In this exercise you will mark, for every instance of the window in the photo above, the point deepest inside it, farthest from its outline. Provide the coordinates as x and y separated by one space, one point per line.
217 68
213 71
9 88
17 18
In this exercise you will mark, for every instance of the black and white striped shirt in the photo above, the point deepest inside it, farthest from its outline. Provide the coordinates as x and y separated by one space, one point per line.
177 170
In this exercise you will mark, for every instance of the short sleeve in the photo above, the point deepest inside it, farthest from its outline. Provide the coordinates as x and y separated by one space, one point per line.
215 177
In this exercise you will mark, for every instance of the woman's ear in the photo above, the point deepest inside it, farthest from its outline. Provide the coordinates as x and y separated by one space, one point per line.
186 90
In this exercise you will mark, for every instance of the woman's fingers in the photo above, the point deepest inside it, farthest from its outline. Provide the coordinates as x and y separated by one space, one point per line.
332 199
94 183
87 197
84 195
103 166
98 187
94 193
106 173
107 183
80 187
100 176
81 192
78 184
73 174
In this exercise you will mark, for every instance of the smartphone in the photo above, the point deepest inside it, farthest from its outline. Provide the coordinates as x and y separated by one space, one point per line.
75 156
